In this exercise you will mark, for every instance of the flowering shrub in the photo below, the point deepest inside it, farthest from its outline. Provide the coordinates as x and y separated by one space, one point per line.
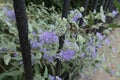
79 55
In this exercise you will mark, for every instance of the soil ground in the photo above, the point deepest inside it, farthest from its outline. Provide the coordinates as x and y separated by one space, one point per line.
112 60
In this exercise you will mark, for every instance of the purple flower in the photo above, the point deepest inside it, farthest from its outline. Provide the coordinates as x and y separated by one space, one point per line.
67 55
48 38
15 54
82 75
92 48
99 36
49 57
99 45
90 41
33 32
85 77
77 16
114 12
82 55
114 50
10 14
83 24
34 44
53 77
107 41
93 51
21 62
112 72
3 50
94 55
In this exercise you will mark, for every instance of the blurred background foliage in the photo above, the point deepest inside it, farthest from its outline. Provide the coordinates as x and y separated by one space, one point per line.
74 4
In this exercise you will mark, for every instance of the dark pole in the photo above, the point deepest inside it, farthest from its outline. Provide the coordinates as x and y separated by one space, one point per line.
22 26
110 5
62 38
96 4
86 7
84 13
65 8
106 5
103 2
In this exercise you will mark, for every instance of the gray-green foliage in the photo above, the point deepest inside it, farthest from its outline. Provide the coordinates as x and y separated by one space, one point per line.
41 19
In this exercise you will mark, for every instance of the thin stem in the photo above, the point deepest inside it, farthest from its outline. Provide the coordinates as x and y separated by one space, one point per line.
3 68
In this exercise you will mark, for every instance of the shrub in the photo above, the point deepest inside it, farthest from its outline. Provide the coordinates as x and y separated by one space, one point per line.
79 55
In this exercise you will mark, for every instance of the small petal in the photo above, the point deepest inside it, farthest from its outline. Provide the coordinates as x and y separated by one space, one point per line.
82 55
99 36
112 72
94 55
34 44
114 50
51 77
107 41
77 16
114 12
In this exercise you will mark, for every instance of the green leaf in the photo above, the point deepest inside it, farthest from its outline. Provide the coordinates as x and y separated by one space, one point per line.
37 77
45 73
117 4
102 15
90 22
37 71
38 56
7 58
12 74
113 25
12 46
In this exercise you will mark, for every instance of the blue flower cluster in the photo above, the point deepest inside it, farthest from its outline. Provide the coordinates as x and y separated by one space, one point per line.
11 15
49 38
67 54
44 38
77 16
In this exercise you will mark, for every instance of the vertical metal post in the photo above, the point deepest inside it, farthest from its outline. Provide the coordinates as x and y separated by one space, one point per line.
96 4
84 13
95 8
22 26
86 7
65 8
103 2
106 5
62 38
